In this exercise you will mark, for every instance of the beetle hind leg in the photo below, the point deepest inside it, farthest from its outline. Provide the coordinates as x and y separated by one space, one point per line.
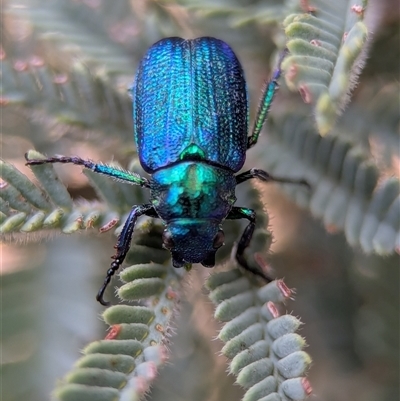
266 177
266 100
244 242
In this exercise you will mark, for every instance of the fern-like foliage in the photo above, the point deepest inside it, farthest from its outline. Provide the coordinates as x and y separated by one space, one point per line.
326 53
126 362
267 355
65 69
77 97
326 43
346 192
257 12
29 210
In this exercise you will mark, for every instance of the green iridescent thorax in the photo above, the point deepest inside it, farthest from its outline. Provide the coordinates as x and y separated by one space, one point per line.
193 190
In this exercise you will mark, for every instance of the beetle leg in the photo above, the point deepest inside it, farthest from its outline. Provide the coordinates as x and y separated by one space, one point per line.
249 214
266 100
117 173
266 177
123 244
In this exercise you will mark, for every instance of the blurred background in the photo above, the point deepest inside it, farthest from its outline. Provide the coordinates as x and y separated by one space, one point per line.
347 299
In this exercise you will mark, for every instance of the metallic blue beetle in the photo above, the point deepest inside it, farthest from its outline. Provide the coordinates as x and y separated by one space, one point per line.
190 114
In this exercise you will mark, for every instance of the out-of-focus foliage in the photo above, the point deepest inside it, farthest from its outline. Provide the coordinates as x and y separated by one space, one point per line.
65 67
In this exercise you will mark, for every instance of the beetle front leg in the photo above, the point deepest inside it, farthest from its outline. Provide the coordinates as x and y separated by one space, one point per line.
123 245
249 214
266 177
118 174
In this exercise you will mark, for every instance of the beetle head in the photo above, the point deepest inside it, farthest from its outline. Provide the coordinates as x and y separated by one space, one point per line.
193 241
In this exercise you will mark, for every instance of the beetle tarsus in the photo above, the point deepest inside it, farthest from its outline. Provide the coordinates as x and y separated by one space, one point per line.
245 239
243 263
243 244
59 159
266 177
110 272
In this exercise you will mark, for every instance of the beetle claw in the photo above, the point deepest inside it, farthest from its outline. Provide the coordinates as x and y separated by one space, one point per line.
177 262
209 261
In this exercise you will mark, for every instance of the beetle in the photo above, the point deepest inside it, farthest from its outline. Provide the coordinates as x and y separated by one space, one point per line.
190 113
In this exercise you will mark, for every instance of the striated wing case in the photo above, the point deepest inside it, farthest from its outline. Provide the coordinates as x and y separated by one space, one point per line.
190 103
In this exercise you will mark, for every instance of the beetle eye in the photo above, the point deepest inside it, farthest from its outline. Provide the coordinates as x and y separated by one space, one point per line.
219 239
168 242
